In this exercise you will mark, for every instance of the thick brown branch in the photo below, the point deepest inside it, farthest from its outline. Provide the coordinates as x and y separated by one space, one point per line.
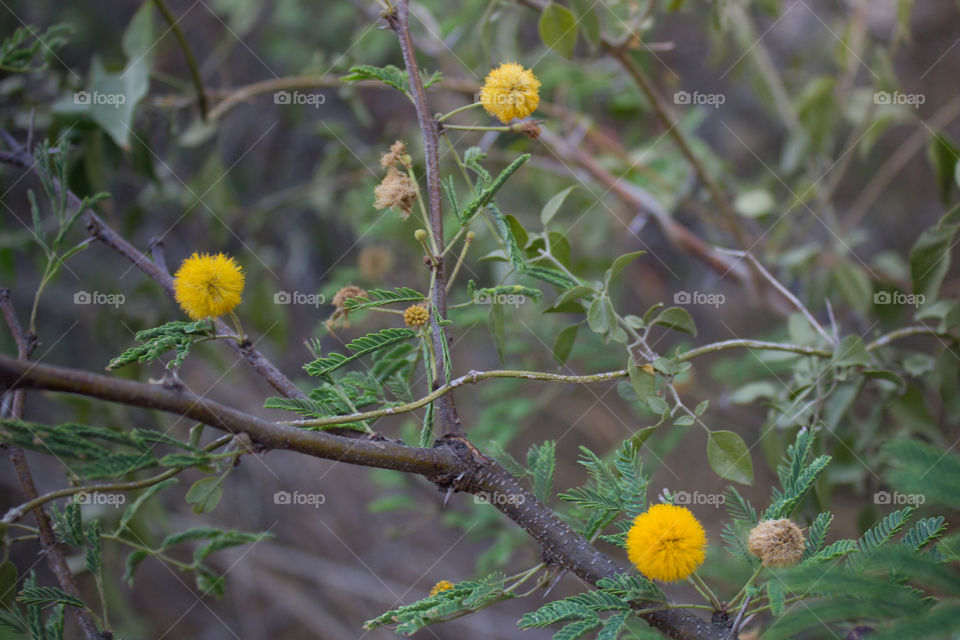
371 453
453 464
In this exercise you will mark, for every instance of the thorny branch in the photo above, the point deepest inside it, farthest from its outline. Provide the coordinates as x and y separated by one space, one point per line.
48 540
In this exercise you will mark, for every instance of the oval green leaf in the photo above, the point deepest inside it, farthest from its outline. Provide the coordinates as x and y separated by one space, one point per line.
729 457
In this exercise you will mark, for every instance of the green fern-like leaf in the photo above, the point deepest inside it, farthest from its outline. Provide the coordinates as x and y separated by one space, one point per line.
743 518
486 194
631 587
817 534
834 550
555 277
796 477
94 546
175 336
390 76
46 596
361 346
465 597
879 535
542 461
925 531
613 626
19 49
381 297
578 629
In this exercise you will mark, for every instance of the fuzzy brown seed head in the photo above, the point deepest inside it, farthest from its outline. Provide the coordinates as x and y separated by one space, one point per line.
778 543
396 190
349 291
416 316
397 155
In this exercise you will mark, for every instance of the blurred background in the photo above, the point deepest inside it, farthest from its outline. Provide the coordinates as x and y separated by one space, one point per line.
833 183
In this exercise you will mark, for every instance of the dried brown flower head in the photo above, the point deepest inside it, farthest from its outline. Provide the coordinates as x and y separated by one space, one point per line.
396 190
778 543
397 155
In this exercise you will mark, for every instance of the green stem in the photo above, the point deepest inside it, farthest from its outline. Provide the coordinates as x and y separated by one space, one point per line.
188 54
455 111
705 591
464 127
736 599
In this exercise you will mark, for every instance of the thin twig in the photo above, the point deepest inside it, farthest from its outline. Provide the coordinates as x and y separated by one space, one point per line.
399 21
103 232
15 513
188 54
783 290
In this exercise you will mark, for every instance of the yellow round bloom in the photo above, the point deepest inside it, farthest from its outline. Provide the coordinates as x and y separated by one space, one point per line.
666 543
443 585
207 286
509 92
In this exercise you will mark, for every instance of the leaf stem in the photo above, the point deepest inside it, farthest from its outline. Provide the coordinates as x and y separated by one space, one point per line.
458 110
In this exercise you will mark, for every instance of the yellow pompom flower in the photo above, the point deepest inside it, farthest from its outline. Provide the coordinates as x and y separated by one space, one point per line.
509 92
440 587
207 286
666 543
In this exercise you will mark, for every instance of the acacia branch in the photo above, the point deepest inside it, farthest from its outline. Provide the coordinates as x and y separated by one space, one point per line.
48 539
19 156
399 21
476 376
453 465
